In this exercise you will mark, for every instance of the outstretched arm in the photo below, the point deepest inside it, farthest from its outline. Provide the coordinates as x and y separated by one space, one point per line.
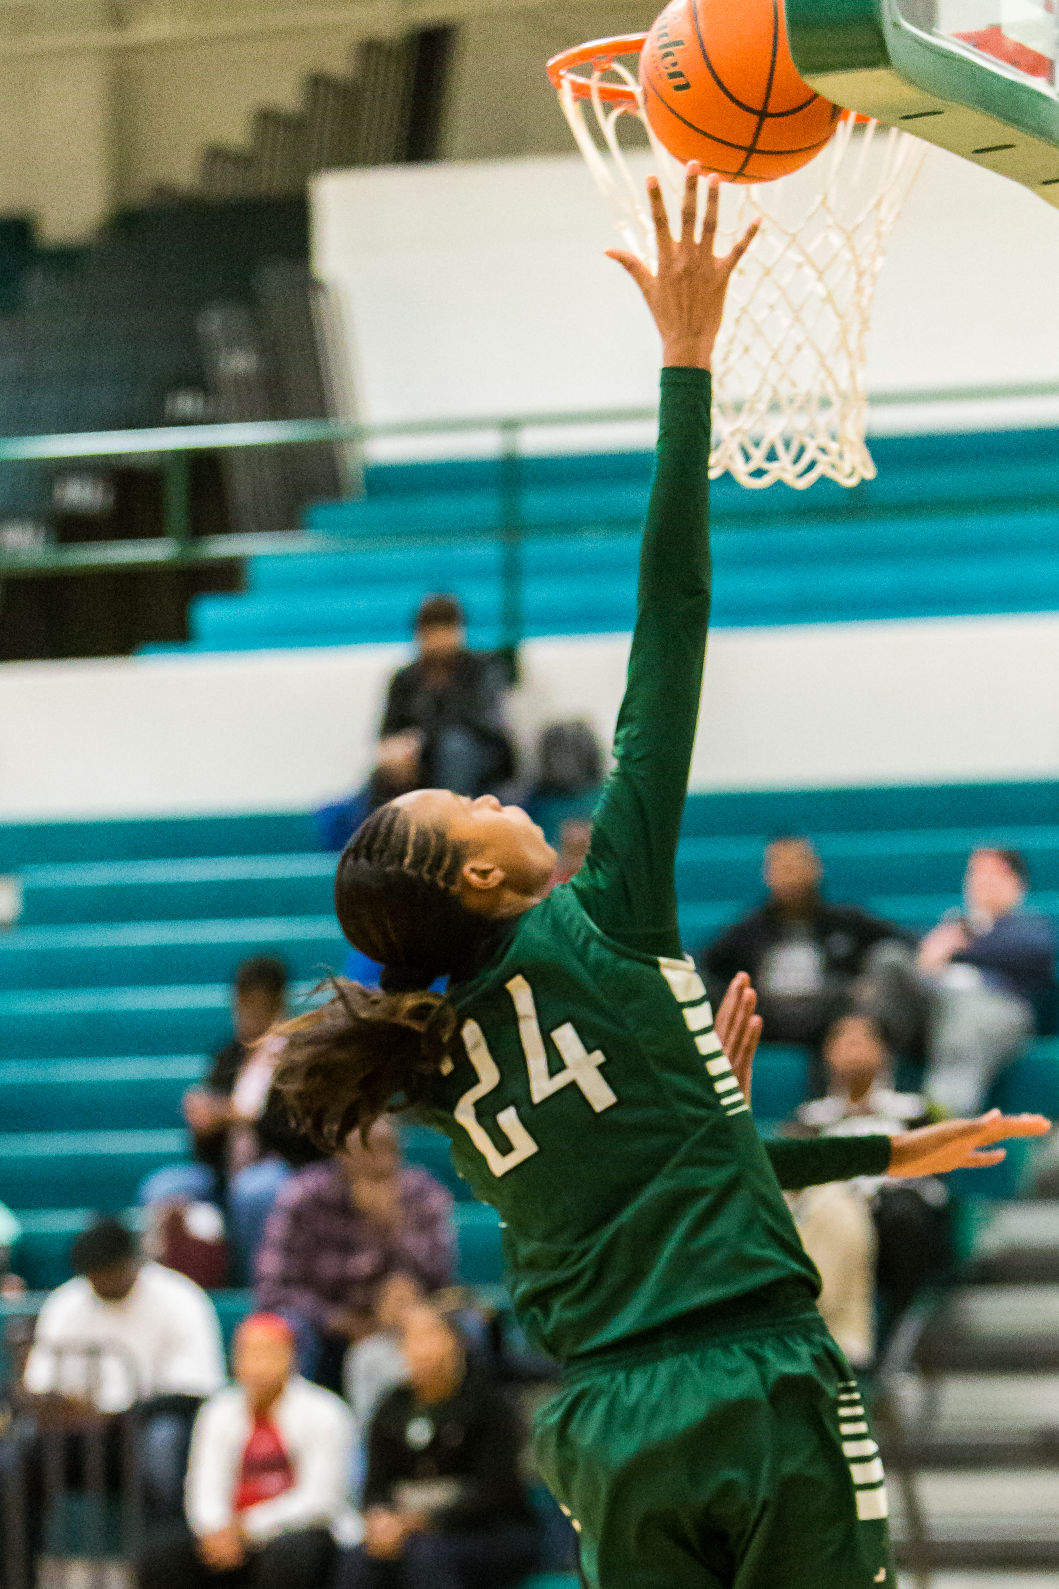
960 1144
929 1150
626 884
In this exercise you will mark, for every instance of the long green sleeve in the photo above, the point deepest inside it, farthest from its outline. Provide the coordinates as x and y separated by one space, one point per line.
813 1161
627 882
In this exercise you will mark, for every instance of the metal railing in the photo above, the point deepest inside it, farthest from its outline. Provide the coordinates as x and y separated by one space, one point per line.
49 1461
174 446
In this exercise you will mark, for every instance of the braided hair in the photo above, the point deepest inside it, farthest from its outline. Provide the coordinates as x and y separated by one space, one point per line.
370 1051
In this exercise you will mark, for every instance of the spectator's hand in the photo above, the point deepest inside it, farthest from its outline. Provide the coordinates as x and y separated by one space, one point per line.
384 1533
739 1029
55 1410
205 1112
397 757
224 1550
351 1324
686 294
396 1295
939 946
960 1144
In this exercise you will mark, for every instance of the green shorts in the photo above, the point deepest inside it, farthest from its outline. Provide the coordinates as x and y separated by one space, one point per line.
741 1462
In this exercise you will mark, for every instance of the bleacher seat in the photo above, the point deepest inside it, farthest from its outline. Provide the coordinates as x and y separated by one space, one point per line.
82 1169
116 984
479 1258
178 890
952 525
781 1080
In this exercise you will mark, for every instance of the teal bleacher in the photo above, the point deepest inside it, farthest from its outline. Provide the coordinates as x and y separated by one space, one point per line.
114 987
953 525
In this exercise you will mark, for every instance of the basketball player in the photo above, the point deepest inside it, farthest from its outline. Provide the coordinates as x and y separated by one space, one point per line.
708 1432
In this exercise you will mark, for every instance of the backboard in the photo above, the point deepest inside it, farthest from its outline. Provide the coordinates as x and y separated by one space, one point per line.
978 77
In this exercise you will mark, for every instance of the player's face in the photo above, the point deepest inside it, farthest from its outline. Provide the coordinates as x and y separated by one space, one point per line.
433 1353
440 642
377 1160
255 1011
792 870
855 1053
263 1361
494 835
990 886
114 1281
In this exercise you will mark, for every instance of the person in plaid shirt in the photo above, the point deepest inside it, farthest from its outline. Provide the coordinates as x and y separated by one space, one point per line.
338 1232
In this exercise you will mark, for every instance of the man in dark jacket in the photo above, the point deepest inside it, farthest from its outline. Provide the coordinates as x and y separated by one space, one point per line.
443 725
444 1503
803 953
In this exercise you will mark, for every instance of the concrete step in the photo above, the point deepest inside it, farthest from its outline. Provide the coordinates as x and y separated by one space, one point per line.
160 952
993 1329
97 1094
202 889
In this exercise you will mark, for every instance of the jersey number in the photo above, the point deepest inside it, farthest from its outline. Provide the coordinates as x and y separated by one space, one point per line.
579 1067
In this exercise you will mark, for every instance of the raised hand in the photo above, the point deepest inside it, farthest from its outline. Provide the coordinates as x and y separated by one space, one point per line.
960 1144
739 1029
686 294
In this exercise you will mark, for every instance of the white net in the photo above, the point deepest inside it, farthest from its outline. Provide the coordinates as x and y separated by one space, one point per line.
790 401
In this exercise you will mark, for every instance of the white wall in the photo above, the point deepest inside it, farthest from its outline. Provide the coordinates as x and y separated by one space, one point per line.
957 700
173 103
482 288
83 131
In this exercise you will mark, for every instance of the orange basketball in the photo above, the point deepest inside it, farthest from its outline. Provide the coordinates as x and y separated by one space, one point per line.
719 86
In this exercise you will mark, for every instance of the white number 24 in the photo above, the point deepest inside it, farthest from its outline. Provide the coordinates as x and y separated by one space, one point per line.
579 1067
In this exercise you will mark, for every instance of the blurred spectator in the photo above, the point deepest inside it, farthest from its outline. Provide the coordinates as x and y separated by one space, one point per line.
339 1230
444 1503
267 1477
11 1284
989 972
575 836
444 722
377 1363
570 762
874 1241
266 1481
244 1143
125 1340
802 952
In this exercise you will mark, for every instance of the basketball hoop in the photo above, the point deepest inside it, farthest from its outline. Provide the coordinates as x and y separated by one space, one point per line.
790 401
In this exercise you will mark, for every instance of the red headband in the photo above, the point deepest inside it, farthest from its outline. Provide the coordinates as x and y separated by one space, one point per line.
271 1324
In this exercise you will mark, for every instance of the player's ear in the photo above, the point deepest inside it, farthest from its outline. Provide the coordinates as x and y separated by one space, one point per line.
482 876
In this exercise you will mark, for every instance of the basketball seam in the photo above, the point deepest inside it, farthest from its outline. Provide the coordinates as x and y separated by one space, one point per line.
763 112
751 110
725 143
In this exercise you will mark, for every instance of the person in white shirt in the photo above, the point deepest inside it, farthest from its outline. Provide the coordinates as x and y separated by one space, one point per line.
268 1477
125 1341
876 1242
124 1332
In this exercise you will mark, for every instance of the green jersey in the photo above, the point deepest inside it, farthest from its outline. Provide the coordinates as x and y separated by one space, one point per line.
590 1100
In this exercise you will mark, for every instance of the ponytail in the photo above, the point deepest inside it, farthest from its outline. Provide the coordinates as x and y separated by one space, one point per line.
373 1051
365 1053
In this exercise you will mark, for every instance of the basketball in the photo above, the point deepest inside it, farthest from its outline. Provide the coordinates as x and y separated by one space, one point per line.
719 86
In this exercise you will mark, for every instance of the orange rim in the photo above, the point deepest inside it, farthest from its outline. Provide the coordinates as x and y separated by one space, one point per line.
599 54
